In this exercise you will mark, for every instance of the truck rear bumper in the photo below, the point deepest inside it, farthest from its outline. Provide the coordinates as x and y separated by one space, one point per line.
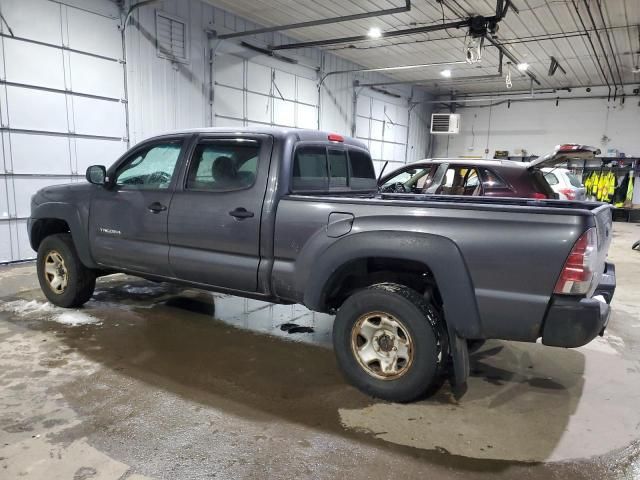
573 322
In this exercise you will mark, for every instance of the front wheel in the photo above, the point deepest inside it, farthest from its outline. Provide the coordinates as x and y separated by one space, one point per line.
389 342
64 280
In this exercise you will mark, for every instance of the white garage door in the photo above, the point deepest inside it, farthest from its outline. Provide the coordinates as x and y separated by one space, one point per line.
62 103
250 93
382 123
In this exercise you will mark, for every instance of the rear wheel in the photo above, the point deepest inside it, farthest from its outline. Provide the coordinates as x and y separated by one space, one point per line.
389 342
64 280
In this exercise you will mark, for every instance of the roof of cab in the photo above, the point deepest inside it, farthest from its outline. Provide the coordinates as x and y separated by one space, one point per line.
301 134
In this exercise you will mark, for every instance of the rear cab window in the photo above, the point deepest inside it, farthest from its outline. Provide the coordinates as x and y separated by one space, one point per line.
329 168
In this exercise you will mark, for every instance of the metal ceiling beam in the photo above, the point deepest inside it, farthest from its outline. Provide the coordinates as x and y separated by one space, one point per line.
389 69
604 52
593 48
511 57
613 52
362 38
440 81
323 21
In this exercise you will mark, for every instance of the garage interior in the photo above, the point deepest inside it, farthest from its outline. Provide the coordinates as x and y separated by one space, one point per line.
154 380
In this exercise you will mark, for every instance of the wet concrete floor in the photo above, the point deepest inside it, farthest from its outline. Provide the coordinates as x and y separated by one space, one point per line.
155 381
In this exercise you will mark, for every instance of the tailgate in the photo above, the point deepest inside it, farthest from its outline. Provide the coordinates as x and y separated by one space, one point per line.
604 228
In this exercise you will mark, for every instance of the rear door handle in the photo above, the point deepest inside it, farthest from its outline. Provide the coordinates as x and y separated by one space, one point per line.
157 207
241 213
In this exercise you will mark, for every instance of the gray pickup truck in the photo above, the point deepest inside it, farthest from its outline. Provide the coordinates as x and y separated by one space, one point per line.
293 216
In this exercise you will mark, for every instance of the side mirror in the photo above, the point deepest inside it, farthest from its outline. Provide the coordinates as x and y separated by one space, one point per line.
96 174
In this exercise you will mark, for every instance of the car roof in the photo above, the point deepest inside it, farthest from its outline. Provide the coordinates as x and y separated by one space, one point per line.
299 134
469 161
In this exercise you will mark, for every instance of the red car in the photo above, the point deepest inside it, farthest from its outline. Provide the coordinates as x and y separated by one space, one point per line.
478 177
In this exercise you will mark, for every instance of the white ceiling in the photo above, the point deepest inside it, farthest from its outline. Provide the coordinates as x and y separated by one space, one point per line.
526 35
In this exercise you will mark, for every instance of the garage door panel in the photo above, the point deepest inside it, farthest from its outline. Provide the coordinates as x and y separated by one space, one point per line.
286 85
5 244
283 112
307 116
26 186
33 64
375 149
25 251
37 110
4 207
228 122
229 70
258 78
362 127
99 117
258 107
363 106
389 133
96 76
307 91
42 154
377 109
399 152
399 134
377 129
388 151
93 33
229 102
97 152
44 27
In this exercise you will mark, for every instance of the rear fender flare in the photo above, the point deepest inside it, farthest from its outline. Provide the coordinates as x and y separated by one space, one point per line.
439 254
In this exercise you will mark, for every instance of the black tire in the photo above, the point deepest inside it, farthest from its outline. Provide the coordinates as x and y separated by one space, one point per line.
80 280
427 336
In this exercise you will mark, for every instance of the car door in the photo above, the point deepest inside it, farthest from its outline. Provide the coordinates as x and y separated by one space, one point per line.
214 219
128 217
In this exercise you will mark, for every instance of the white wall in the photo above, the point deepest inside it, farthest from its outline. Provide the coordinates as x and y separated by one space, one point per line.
540 125
164 95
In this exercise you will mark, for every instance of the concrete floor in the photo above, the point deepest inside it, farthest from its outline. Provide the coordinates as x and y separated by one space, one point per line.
147 382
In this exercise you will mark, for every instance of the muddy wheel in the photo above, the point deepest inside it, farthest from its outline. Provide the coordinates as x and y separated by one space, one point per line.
64 280
389 342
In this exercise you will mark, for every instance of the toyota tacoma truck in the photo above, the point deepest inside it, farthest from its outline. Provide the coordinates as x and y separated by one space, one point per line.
293 216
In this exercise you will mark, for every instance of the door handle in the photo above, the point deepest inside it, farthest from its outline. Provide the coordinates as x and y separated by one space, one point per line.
241 213
157 207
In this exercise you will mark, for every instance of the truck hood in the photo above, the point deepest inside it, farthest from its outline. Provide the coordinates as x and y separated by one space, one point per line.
564 154
65 193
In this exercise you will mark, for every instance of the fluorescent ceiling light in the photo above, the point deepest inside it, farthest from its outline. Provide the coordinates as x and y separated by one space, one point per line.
523 67
374 32
446 73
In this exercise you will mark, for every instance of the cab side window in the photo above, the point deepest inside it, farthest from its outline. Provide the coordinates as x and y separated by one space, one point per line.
223 165
151 168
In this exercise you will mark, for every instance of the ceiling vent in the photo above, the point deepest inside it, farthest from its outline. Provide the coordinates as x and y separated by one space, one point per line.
445 123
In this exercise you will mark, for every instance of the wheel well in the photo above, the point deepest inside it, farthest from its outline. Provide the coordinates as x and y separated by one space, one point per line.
364 272
47 226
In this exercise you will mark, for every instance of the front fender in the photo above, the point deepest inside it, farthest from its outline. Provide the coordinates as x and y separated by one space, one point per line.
440 254
73 217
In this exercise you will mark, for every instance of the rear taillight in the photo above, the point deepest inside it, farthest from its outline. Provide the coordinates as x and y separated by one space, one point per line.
579 268
538 196
569 193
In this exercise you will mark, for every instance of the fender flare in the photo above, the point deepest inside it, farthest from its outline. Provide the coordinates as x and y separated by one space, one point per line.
71 215
440 254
